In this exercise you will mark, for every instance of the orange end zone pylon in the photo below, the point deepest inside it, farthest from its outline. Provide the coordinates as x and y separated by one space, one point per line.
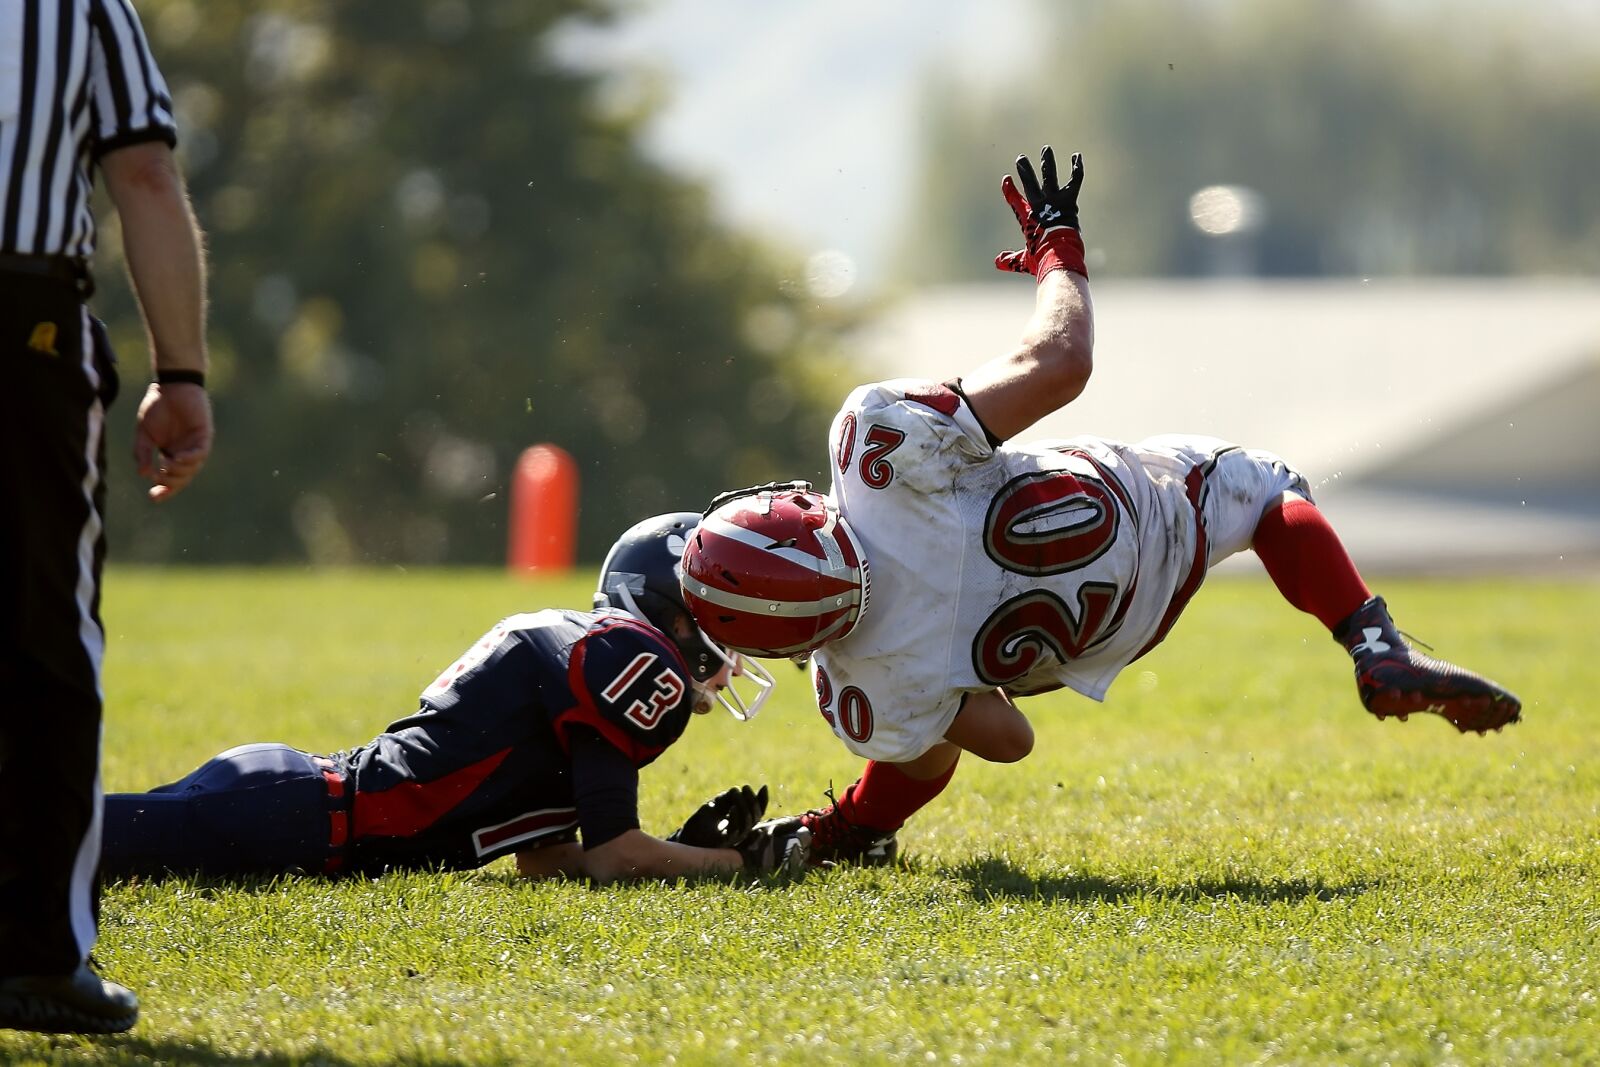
544 512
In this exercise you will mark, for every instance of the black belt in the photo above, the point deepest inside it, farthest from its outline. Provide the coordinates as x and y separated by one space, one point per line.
68 270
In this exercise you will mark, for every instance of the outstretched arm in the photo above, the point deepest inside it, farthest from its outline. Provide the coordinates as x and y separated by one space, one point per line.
1052 363
719 838
605 790
635 854
1049 367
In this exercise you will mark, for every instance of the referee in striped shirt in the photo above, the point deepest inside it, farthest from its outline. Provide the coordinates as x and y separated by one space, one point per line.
79 88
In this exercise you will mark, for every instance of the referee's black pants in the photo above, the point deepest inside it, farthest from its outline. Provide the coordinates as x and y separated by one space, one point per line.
58 375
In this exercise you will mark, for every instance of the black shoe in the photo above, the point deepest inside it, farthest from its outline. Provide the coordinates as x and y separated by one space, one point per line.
1395 679
834 840
78 1003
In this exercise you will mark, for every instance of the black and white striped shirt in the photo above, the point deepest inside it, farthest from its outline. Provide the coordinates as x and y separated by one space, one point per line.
76 80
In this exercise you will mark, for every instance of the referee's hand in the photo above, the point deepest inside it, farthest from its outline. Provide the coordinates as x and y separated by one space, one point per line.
173 436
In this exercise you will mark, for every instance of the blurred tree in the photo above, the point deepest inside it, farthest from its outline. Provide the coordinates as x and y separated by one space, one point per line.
434 244
1380 139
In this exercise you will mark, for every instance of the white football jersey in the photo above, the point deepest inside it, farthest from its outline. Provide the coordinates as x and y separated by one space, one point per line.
1023 568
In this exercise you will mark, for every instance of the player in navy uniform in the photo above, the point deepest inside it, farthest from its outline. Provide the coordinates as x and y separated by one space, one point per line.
533 738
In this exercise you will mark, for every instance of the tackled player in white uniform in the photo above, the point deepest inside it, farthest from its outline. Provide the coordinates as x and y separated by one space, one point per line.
949 572
1070 559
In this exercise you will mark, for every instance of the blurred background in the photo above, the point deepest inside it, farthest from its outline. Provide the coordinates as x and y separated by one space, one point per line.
670 236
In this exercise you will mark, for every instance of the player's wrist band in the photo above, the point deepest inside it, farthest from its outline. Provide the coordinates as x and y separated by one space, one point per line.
181 377
1061 249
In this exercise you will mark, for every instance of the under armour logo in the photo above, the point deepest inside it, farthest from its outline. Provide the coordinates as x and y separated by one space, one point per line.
43 339
1049 213
1371 641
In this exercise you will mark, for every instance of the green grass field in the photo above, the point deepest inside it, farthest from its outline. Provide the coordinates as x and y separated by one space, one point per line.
1228 862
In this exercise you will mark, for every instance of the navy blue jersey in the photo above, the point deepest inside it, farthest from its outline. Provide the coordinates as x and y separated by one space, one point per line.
482 767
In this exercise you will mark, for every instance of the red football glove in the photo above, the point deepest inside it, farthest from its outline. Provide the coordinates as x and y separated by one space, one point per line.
1048 215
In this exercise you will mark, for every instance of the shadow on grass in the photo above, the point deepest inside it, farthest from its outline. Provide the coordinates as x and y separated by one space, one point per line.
993 877
139 1050
131 1049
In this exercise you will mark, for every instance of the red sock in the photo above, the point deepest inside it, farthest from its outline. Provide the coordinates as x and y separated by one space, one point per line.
1308 563
884 797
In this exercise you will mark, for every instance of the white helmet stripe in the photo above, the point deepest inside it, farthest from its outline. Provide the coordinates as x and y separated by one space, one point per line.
833 566
833 536
827 537
755 605
724 528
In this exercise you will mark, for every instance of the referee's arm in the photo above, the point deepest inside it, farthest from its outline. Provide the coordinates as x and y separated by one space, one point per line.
162 244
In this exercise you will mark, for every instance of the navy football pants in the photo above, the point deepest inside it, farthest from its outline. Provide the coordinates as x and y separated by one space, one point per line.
255 809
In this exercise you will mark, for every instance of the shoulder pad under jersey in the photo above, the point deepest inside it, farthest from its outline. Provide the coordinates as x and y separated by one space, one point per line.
629 683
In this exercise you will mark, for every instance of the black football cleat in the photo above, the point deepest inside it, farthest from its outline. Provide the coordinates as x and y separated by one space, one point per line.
78 1003
1395 679
836 840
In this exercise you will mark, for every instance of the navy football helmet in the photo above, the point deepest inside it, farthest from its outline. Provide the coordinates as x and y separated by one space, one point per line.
641 575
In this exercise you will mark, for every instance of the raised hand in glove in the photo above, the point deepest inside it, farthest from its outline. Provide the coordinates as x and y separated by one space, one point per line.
782 845
1048 215
724 820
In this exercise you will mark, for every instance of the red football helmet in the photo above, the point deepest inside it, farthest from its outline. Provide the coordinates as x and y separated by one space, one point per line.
775 571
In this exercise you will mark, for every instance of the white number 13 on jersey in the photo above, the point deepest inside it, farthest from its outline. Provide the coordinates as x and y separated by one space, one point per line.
645 711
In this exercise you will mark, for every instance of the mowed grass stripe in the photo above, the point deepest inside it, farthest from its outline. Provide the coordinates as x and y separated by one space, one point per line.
1228 862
